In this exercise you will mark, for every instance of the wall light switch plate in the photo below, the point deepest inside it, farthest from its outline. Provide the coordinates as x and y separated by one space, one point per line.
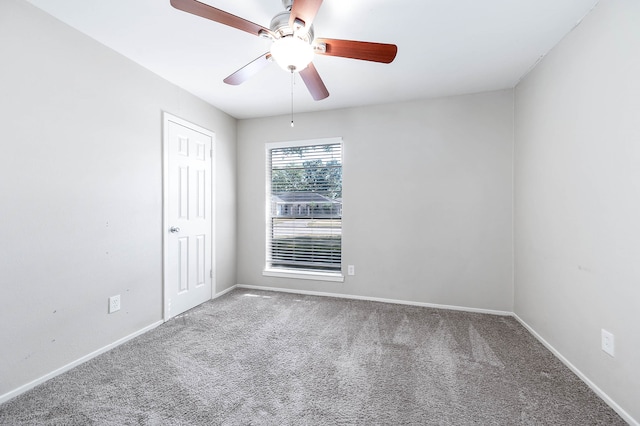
608 342
351 270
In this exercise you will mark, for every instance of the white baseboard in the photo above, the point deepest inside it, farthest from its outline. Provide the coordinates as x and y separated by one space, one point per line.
625 416
22 389
223 292
610 402
376 299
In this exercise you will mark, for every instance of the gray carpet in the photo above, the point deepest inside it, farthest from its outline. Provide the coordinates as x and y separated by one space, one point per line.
264 358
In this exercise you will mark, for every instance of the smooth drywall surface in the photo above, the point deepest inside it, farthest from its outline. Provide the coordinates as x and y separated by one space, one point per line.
427 199
577 198
81 193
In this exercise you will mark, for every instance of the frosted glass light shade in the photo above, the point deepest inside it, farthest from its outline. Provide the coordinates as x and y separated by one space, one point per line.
292 53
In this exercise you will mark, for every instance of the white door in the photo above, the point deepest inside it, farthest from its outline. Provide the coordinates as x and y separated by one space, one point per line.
187 216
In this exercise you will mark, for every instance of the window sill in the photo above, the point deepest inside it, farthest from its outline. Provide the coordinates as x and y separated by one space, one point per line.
304 275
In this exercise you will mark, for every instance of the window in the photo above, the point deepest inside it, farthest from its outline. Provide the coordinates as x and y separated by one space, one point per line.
304 209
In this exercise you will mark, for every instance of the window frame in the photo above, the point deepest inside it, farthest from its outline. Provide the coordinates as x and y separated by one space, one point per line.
337 276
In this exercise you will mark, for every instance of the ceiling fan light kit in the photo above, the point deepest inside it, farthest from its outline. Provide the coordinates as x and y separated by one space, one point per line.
291 47
292 53
294 44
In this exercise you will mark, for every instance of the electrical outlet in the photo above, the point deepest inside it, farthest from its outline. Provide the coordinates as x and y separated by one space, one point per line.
114 303
608 342
351 270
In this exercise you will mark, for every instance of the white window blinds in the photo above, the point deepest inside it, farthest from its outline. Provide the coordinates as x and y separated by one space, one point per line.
304 198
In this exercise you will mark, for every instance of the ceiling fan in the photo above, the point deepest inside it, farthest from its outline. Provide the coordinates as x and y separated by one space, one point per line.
294 44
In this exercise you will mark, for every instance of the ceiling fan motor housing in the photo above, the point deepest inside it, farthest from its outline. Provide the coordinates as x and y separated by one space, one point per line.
280 26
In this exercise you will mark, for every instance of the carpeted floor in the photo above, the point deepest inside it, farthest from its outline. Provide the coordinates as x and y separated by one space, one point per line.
264 358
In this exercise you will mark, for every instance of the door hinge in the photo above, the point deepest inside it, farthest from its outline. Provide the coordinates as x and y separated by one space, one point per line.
210 153
210 273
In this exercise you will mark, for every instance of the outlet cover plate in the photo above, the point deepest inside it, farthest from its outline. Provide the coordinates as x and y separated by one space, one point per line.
114 303
608 342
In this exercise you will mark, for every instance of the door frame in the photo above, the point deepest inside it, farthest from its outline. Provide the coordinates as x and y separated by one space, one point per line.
166 119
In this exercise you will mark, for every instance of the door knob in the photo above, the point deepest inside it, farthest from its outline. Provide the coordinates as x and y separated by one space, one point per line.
174 230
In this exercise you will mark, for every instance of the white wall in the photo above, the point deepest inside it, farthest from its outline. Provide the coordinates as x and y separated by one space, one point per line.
81 193
577 198
427 199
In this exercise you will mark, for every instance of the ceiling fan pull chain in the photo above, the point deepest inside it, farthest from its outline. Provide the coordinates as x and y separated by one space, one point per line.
292 82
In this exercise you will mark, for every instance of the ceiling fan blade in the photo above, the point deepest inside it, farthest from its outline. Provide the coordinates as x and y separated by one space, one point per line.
204 10
314 83
249 70
363 50
303 13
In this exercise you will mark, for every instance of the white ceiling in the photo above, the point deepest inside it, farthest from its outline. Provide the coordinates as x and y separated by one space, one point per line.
445 47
